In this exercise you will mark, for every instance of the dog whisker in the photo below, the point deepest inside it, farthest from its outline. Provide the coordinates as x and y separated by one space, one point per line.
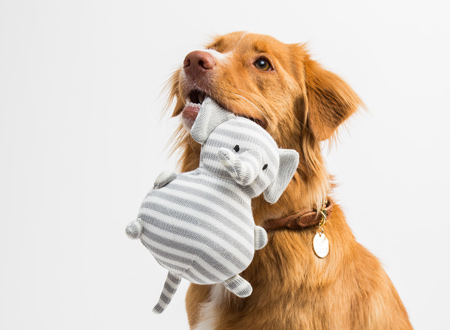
229 93
257 108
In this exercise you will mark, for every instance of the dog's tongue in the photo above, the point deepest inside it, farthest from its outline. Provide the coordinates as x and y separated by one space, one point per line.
189 114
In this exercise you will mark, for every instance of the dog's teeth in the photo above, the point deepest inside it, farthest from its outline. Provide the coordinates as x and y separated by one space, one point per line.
201 97
192 104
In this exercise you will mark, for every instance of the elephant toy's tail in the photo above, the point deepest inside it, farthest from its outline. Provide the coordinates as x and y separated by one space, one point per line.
170 287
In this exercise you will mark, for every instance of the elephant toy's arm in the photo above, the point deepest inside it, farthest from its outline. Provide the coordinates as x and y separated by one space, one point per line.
164 178
260 237
134 228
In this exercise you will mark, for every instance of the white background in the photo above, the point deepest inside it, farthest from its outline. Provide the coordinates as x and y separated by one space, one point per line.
82 137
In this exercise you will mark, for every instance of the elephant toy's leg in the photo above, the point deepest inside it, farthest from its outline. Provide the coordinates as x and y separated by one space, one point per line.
238 286
170 287
164 178
134 229
260 237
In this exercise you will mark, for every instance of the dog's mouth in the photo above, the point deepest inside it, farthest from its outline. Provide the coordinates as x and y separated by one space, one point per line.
196 96
190 112
195 99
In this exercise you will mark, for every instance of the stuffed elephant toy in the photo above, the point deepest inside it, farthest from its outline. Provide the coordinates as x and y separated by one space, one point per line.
199 224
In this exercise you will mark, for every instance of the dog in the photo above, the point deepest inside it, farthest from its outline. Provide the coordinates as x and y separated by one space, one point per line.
300 104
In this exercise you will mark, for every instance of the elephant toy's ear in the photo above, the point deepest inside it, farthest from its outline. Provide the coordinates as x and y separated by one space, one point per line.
288 165
209 117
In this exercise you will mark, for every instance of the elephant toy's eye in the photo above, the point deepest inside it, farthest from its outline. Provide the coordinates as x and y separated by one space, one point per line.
236 148
265 166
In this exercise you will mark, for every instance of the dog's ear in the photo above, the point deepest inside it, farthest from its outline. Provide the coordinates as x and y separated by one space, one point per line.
329 100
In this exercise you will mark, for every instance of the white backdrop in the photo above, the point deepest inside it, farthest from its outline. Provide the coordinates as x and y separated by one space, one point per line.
82 137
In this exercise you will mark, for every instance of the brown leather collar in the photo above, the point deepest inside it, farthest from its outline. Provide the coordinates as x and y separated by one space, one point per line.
304 218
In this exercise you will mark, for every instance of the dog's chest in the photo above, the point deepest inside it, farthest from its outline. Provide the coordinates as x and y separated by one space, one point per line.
209 312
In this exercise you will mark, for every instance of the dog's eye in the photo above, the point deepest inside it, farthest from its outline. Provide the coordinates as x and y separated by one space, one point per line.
265 166
263 64
236 148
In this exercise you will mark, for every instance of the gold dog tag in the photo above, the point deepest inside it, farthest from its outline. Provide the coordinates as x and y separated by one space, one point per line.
321 245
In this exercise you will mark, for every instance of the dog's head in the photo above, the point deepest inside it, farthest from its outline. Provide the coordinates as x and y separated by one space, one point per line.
279 87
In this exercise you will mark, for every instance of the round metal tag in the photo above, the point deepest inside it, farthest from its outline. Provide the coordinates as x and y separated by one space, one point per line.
321 245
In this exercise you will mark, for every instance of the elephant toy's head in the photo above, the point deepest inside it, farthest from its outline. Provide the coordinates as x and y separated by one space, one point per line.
238 149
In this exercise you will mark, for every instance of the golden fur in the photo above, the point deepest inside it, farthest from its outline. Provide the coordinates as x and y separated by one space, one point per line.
300 104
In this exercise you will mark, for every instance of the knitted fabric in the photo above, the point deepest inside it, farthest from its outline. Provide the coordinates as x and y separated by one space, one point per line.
199 224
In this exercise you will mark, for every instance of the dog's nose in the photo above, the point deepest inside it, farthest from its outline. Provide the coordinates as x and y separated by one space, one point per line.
198 62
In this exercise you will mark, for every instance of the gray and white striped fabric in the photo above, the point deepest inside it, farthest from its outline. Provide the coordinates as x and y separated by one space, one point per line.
170 287
199 224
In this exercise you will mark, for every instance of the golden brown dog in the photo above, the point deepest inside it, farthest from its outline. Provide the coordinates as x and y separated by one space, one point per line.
300 104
